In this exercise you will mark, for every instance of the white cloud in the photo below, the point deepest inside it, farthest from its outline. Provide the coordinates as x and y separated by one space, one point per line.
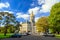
9 11
41 2
48 4
21 15
45 7
35 10
36 19
6 5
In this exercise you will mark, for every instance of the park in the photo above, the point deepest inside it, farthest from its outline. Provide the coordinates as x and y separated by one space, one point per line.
45 28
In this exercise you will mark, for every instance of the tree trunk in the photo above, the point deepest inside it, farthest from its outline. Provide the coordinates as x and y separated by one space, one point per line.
5 31
58 32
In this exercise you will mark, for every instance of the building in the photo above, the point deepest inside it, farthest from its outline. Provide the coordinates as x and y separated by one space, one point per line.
28 26
25 27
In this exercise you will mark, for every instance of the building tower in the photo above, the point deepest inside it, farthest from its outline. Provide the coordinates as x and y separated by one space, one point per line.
32 21
32 17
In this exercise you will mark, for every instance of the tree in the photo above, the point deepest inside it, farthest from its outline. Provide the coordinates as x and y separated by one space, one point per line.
42 24
7 18
54 18
18 25
11 28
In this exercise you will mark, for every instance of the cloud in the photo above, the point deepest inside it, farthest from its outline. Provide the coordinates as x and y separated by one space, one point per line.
4 5
41 2
8 11
36 19
48 4
21 15
35 10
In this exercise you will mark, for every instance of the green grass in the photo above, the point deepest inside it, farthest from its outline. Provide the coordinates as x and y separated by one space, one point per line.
57 35
7 35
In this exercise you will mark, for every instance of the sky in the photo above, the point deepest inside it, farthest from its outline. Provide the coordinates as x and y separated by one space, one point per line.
23 8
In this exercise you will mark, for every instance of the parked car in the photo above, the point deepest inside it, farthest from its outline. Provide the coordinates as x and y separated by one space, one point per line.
24 34
16 35
28 33
49 35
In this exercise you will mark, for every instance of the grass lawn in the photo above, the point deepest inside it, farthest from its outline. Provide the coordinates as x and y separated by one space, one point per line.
57 35
7 35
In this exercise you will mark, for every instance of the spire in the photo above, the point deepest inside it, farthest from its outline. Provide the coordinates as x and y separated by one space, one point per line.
31 17
32 14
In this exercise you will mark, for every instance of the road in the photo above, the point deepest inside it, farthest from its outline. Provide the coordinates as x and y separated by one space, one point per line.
30 37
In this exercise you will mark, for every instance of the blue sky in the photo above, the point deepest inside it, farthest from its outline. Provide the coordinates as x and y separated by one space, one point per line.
22 8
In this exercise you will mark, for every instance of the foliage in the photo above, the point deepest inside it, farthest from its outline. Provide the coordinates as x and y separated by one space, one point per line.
1 29
11 29
42 24
54 18
7 18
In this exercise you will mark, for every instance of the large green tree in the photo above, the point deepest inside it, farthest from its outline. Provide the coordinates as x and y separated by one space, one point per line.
42 22
11 28
7 18
54 18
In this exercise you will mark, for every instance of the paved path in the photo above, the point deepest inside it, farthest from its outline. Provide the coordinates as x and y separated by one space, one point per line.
32 38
